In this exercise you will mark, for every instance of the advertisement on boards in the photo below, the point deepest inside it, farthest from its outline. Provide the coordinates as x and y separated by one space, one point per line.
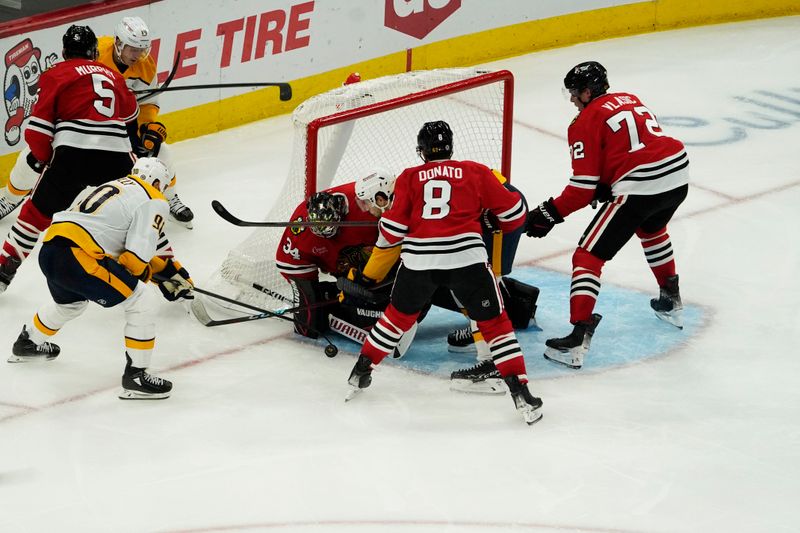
217 41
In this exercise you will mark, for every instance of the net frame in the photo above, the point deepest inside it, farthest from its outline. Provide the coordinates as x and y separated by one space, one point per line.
318 162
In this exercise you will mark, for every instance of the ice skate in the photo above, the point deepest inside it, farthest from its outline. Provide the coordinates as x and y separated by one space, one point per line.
360 377
7 206
461 341
482 378
668 305
528 405
26 351
180 212
137 384
7 272
569 350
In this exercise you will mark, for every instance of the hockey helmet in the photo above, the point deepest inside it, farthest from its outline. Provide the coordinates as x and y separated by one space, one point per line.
79 42
587 75
326 207
435 141
153 171
379 182
133 32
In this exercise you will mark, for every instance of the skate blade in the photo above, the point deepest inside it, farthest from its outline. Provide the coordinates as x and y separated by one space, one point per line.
533 416
187 225
470 348
125 394
487 386
567 359
352 393
673 317
34 359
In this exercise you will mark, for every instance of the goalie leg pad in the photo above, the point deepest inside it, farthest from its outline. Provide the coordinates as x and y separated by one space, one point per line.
520 299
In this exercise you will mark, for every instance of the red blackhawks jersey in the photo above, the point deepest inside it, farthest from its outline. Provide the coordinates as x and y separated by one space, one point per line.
436 210
616 141
302 254
81 103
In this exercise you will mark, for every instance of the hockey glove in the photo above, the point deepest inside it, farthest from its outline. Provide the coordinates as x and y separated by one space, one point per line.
36 165
489 222
356 290
542 219
151 135
174 282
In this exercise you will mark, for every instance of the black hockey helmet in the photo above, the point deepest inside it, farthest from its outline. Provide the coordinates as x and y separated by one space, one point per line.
327 207
587 75
79 42
435 141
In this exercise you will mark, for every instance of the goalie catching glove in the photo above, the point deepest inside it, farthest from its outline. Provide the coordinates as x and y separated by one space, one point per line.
151 135
173 280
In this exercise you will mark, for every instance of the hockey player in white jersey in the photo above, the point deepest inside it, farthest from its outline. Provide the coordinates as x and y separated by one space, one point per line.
105 248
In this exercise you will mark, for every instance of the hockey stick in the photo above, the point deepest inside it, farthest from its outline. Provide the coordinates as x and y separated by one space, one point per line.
277 313
330 350
285 90
147 93
228 216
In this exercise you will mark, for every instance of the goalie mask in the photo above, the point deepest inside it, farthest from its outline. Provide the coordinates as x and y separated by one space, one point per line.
152 171
376 189
326 207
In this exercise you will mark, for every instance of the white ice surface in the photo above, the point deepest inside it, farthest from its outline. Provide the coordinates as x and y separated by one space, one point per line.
256 436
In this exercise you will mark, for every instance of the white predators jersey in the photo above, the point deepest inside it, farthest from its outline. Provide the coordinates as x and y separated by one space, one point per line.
127 214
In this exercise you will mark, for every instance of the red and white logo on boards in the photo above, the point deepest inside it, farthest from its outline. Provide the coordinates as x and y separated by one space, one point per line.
418 18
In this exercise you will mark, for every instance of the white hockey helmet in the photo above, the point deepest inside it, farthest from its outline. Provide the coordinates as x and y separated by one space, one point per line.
378 181
133 32
153 171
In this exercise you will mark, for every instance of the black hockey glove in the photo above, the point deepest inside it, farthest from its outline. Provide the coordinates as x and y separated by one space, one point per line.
542 219
357 291
36 165
151 135
489 222
174 282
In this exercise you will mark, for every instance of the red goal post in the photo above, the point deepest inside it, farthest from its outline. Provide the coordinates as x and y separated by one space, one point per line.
342 134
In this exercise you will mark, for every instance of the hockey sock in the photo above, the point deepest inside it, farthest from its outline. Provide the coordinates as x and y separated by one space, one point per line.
51 317
504 347
25 232
658 252
140 327
585 286
386 333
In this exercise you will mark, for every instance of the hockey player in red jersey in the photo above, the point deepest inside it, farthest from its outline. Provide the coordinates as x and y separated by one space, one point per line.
620 157
304 252
433 225
77 134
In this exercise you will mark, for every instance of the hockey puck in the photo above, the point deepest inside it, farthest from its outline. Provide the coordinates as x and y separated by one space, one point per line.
331 350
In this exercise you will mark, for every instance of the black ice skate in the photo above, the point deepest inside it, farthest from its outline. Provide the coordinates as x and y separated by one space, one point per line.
8 271
25 350
180 212
137 384
461 341
7 206
526 403
569 350
482 378
360 377
668 305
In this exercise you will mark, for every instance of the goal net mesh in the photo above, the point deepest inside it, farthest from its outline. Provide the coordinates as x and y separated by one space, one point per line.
341 134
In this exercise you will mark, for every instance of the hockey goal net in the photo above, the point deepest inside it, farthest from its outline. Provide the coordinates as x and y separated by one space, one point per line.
341 134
